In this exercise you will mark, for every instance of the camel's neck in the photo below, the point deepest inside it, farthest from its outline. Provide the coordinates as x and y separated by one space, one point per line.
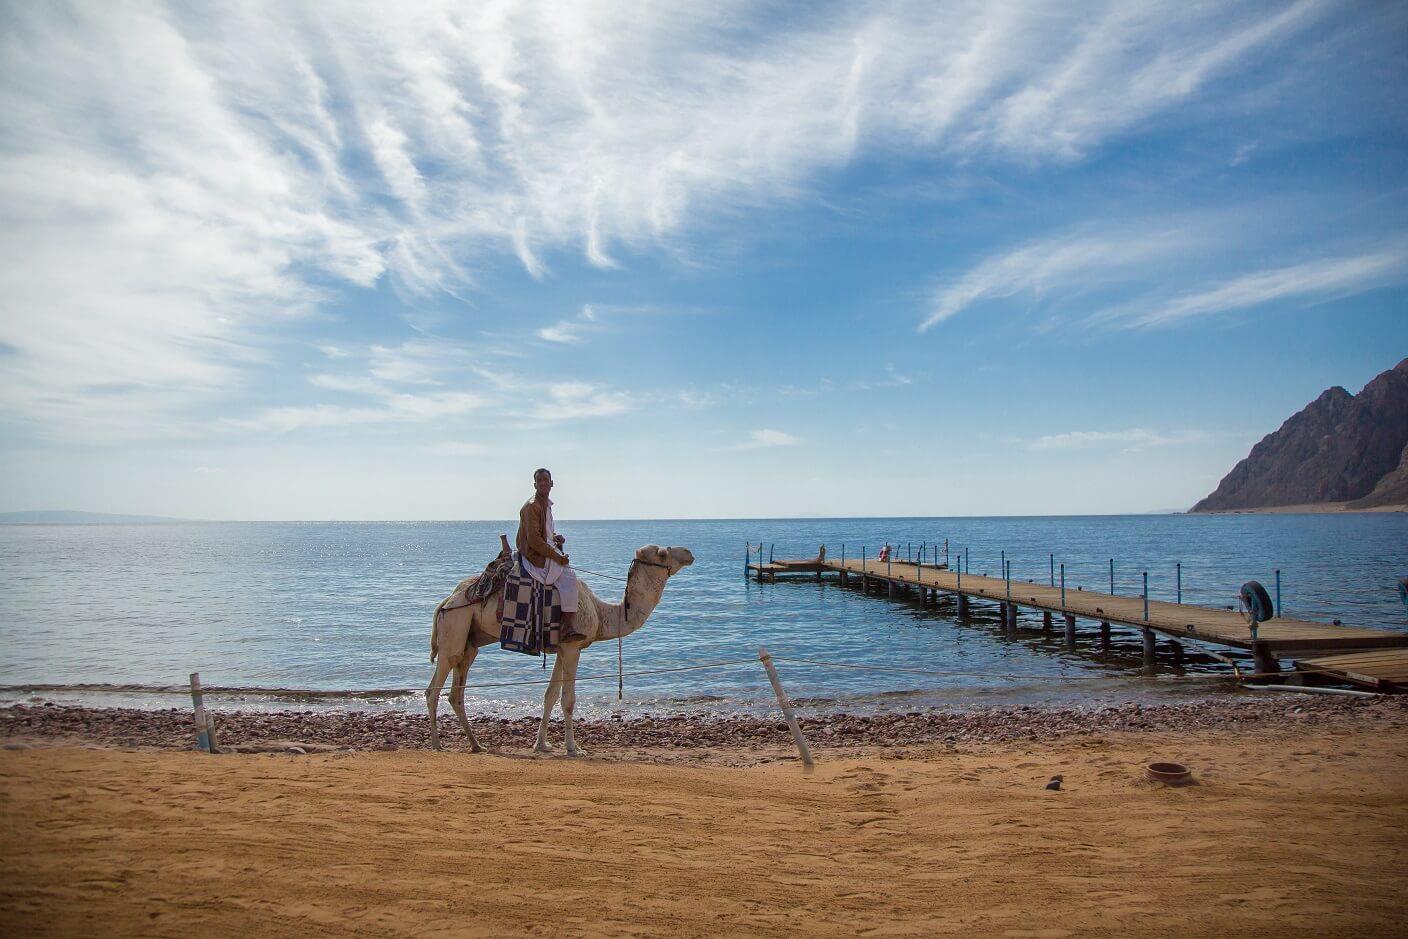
644 588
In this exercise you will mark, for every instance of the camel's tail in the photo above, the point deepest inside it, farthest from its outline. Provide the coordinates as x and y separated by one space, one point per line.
435 633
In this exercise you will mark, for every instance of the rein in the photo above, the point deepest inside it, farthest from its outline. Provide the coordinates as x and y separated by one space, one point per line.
625 615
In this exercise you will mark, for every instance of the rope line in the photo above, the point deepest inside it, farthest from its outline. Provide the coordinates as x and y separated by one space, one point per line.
583 570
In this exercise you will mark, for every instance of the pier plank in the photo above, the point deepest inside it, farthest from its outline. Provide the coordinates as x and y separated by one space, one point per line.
1380 669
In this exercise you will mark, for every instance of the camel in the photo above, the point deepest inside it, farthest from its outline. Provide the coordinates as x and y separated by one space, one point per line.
458 635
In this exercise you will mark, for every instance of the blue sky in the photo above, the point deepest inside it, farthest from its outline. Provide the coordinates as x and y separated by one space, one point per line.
381 261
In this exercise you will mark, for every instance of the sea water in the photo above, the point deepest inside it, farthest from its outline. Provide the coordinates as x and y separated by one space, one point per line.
319 614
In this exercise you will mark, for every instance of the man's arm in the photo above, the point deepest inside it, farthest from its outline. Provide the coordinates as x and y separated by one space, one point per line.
531 524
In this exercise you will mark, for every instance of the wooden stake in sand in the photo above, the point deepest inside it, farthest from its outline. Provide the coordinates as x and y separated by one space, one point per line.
786 705
202 728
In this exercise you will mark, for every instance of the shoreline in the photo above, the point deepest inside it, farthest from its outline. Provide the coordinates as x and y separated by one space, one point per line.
731 738
1310 508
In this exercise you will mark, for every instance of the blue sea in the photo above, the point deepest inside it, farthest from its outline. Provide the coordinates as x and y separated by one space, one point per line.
337 615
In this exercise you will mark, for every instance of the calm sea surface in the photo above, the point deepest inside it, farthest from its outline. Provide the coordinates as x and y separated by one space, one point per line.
345 607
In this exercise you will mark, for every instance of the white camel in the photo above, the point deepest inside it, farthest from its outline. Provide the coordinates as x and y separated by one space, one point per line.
457 636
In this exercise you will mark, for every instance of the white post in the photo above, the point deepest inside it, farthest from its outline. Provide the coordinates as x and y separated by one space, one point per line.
202 729
792 725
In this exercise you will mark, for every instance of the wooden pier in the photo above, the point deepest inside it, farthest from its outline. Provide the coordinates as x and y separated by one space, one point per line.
935 583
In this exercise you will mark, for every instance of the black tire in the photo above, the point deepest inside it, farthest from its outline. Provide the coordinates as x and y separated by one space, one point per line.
1257 602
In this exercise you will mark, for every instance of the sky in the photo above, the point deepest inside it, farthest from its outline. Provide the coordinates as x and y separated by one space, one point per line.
381 261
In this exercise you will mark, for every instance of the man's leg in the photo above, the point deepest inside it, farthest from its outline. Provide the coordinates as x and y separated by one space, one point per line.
566 584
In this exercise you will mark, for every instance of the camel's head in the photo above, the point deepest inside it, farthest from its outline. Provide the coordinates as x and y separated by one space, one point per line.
673 558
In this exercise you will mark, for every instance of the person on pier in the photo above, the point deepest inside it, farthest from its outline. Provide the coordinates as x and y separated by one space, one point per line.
540 548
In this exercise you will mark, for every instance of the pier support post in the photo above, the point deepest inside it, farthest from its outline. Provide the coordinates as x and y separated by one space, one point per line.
1002 612
1263 659
1148 650
1070 630
1046 620
1104 634
1178 654
889 589
963 605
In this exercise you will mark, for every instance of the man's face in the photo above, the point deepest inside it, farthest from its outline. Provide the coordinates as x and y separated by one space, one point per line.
542 484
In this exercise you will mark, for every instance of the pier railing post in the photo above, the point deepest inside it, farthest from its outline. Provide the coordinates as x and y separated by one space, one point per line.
1278 593
1052 559
1178 574
1146 596
802 749
1112 577
1063 585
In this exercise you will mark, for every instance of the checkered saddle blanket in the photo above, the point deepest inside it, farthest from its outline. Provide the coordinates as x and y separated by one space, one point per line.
530 616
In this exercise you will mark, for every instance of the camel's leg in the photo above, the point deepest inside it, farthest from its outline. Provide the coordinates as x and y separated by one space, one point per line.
549 701
432 696
457 696
569 656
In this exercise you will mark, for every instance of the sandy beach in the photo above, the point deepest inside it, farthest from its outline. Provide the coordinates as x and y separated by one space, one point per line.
1298 823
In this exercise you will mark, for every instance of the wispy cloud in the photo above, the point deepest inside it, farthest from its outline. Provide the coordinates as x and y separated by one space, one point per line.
566 401
1132 439
571 331
392 408
1319 279
1054 264
765 437
176 183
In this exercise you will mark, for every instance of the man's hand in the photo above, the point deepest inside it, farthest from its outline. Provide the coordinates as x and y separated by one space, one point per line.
559 541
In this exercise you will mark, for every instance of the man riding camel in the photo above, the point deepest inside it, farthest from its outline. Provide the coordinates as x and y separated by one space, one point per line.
540 547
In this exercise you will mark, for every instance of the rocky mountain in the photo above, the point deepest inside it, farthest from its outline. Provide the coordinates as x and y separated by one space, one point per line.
1339 448
1391 490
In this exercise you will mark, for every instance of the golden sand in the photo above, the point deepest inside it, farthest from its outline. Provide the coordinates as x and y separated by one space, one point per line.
1286 833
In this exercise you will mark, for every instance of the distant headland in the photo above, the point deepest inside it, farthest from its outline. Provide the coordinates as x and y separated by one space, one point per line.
70 517
1340 453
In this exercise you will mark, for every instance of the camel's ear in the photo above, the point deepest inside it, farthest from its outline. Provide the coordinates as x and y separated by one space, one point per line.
648 552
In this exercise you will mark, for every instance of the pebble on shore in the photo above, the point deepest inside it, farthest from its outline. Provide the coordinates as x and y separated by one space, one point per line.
391 730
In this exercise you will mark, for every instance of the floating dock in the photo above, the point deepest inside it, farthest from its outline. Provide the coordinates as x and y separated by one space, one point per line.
1379 670
935 583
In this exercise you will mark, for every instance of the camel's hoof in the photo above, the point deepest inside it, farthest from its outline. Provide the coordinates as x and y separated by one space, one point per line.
576 752
542 748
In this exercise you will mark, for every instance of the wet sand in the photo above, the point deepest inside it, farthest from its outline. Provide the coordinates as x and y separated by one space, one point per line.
1297 825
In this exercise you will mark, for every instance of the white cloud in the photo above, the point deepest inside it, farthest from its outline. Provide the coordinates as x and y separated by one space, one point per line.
1319 279
175 182
1135 439
768 438
394 408
566 401
572 331
1053 264
563 331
